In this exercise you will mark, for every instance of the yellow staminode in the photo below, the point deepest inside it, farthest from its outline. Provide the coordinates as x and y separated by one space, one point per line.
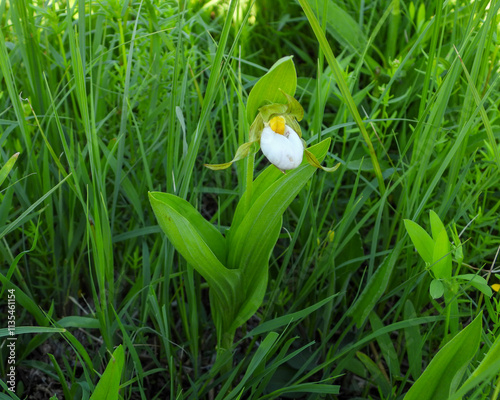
277 124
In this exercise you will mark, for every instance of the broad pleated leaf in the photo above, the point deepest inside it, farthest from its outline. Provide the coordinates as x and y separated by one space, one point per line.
257 223
200 243
266 178
253 235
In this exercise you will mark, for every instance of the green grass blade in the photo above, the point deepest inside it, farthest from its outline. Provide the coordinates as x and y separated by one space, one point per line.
7 167
484 116
109 384
375 288
216 72
344 90
448 364
19 220
287 319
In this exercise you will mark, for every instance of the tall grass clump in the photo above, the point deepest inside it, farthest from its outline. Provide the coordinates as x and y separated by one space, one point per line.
376 281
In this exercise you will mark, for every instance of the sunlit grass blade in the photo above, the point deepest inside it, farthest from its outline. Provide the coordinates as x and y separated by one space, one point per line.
482 111
347 97
7 167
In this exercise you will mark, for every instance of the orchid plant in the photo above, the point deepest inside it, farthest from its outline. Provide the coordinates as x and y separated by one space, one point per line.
235 265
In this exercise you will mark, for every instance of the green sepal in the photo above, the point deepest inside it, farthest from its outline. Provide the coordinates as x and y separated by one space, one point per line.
292 123
272 110
256 129
242 152
293 107
311 159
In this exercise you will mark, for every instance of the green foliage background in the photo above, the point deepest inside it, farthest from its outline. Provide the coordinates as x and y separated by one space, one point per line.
108 100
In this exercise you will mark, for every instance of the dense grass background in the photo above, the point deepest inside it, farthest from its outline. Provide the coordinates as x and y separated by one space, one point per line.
108 100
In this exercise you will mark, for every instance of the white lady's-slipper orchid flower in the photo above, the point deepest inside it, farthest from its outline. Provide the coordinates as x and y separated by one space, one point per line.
278 138
281 144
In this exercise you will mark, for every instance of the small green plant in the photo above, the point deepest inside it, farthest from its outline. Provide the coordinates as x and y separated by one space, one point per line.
436 251
235 266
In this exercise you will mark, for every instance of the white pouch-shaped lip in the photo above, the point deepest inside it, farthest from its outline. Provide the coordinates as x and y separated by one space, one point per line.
285 150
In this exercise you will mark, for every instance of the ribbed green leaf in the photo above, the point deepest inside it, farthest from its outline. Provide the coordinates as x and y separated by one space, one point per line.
254 285
266 178
248 236
209 233
197 241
